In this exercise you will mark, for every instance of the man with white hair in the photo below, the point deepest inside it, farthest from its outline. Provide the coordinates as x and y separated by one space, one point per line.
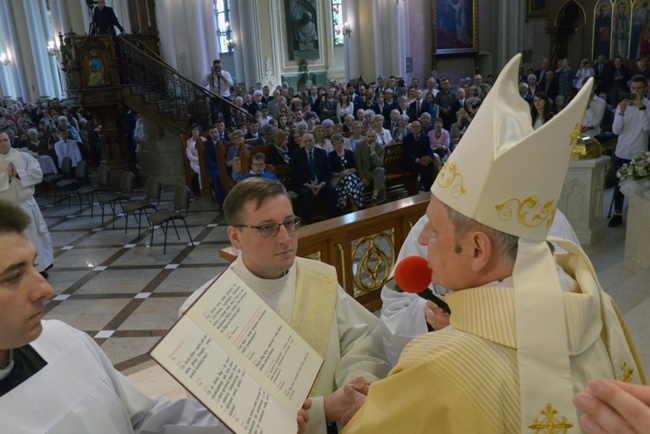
528 330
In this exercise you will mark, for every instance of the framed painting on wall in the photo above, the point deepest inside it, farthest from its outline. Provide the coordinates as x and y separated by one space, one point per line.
536 8
302 29
455 23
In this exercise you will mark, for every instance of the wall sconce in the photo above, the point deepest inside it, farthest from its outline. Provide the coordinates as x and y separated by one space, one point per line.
231 45
52 49
347 29
4 59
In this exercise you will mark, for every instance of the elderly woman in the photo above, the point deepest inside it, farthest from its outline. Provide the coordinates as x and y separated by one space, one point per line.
349 188
439 140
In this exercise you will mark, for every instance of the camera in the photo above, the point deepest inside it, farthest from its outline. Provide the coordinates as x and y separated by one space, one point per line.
631 96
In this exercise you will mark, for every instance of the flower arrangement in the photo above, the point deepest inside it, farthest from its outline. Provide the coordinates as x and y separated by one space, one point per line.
637 168
635 176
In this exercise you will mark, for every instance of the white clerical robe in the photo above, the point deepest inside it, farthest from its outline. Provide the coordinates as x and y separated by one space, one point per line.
79 391
21 192
351 349
471 367
402 314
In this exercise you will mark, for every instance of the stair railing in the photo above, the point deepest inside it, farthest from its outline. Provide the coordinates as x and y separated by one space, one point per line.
184 98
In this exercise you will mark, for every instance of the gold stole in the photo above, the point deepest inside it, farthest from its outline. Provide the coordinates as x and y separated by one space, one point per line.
313 309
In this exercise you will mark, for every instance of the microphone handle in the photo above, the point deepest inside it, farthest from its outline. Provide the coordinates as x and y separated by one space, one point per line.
427 295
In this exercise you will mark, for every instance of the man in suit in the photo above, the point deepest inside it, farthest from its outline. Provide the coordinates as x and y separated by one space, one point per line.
417 107
617 78
311 172
369 158
418 156
601 72
550 86
445 99
355 98
212 163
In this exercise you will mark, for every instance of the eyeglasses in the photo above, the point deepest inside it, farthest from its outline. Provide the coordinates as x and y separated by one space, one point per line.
271 230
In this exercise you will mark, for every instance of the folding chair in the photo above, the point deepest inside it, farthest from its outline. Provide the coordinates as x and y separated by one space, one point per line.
103 184
153 189
71 184
124 195
180 211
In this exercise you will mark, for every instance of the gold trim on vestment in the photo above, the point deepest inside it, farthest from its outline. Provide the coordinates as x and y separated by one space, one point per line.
314 308
549 423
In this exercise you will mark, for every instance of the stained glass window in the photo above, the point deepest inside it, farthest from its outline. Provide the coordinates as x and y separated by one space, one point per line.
337 21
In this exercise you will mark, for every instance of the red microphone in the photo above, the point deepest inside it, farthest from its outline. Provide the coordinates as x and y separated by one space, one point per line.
413 275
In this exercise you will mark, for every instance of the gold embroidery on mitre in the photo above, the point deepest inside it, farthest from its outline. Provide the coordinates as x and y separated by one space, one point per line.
627 372
549 423
545 214
448 177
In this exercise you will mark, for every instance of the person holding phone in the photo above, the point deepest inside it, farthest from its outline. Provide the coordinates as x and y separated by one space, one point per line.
219 82
632 124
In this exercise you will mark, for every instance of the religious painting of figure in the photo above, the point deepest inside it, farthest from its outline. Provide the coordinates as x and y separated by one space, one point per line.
302 29
639 39
621 29
537 8
602 29
455 24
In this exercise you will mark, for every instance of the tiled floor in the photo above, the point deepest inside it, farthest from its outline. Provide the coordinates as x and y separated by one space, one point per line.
126 293
118 287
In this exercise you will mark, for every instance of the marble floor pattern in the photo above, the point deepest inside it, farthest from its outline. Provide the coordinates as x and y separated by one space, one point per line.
125 293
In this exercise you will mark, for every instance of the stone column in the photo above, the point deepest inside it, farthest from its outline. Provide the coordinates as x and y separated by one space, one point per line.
352 42
160 154
39 52
85 16
250 54
21 75
164 12
195 39
511 30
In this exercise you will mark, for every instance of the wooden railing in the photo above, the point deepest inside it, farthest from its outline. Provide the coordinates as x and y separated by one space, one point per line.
363 245
173 92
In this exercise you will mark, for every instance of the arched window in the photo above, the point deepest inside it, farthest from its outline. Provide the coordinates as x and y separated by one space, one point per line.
224 30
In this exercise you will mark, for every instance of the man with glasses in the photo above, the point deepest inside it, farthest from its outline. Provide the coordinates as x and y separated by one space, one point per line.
305 293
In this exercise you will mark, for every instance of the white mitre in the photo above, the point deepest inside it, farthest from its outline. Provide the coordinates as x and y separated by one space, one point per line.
509 177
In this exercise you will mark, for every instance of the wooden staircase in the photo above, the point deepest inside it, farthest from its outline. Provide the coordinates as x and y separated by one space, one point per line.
152 87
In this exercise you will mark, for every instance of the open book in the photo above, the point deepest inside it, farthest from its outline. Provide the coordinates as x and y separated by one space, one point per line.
240 359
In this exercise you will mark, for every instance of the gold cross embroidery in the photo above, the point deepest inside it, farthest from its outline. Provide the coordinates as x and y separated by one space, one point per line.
627 372
330 279
549 424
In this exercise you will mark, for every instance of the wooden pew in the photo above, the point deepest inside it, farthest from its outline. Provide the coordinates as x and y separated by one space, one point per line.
351 244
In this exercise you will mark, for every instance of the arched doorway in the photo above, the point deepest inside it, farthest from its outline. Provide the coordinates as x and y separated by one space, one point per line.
571 34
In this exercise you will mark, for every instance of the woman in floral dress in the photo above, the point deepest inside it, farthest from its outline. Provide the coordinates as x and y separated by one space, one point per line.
349 187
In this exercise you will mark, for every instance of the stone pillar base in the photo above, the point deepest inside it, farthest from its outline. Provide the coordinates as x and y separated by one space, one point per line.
582 198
